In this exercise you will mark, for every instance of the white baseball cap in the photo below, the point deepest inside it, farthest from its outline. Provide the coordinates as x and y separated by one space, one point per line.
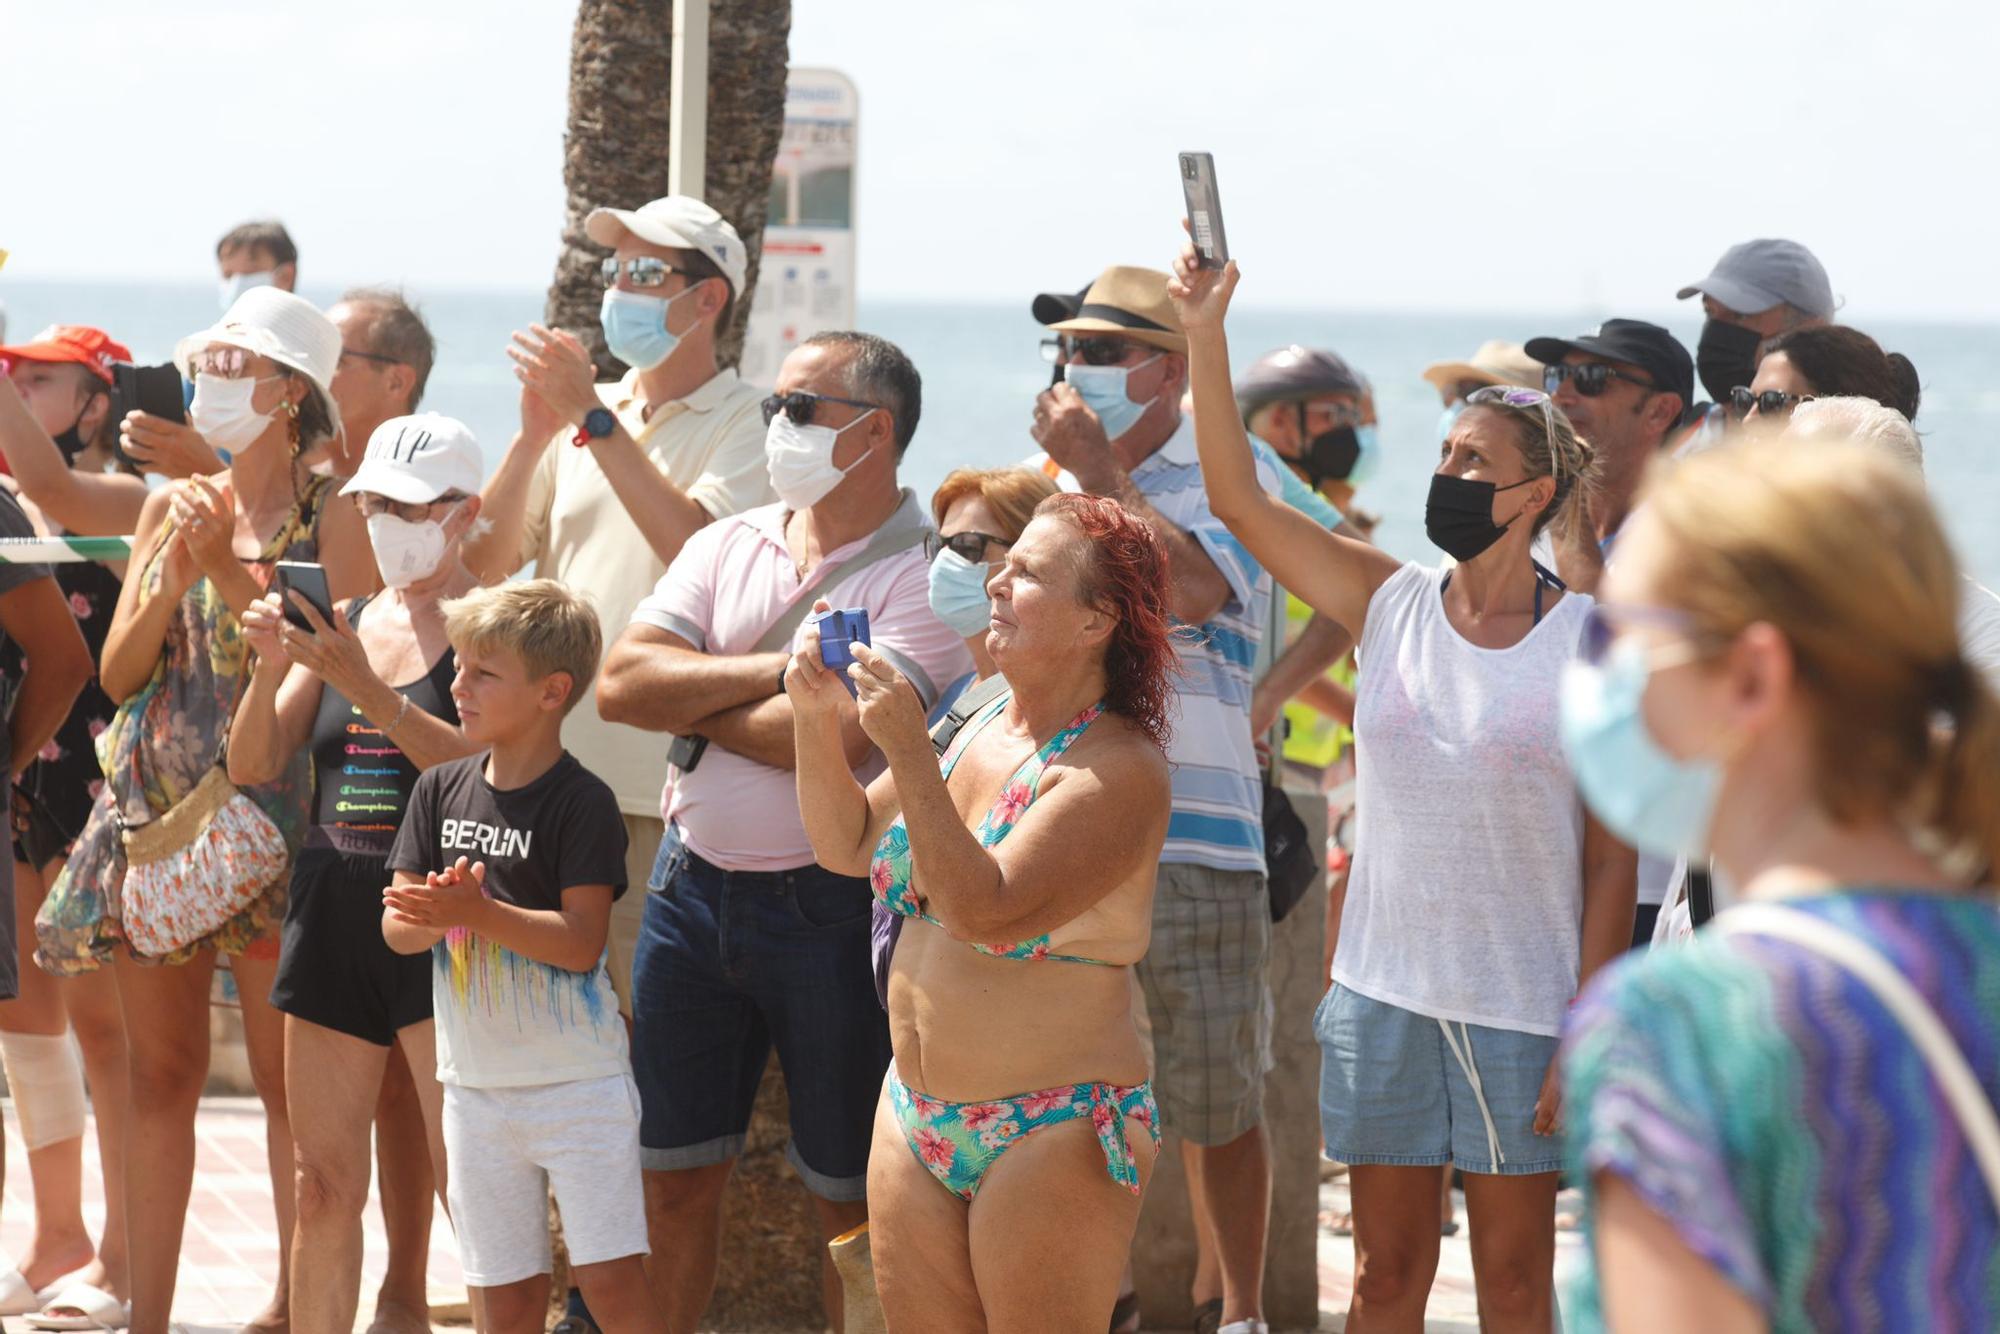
274 323
418 458
680 222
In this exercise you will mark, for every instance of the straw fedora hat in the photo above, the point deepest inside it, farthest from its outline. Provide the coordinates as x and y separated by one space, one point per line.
1496 362
274 323
1131 302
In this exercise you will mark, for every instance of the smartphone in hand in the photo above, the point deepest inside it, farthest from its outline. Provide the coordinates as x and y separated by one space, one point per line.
1204 209
309 581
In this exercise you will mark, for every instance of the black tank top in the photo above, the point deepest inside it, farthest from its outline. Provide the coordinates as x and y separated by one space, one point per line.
361 779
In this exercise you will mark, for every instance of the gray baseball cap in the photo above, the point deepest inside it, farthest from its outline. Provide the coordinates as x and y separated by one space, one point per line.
1757 275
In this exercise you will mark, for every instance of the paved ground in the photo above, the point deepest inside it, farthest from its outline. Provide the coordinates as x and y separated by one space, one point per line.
230 1249
229 1252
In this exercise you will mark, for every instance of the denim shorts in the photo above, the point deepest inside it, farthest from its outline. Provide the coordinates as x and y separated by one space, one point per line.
1397 1088
731 965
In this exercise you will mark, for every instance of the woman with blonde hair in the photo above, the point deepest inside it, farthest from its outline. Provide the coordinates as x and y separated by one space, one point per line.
1788 1124
1481 895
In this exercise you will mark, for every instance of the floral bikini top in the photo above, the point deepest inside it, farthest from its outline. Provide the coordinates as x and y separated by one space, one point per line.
892 871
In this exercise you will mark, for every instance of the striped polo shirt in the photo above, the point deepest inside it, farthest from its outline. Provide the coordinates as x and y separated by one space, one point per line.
1218 817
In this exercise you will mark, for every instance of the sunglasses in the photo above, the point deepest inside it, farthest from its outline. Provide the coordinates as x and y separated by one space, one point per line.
969 547
1590 379
1602 623
224 363
642 271
1095 351
413 511
375 357
1517 396
800 407
1770 403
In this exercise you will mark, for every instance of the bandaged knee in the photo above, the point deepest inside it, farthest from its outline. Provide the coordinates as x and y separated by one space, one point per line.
46 1080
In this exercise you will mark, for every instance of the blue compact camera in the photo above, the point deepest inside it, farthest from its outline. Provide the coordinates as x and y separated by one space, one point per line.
839 631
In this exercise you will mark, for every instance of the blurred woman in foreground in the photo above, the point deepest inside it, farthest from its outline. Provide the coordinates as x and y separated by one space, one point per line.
1775 678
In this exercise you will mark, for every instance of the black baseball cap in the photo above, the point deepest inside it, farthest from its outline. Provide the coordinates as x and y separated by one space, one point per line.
1635 343
1051 307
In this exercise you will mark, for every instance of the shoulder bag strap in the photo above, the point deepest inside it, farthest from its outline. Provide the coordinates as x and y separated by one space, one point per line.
888 541
965 708
1905 1004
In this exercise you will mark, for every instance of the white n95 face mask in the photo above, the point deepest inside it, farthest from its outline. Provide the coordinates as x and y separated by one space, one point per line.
800 460
405 552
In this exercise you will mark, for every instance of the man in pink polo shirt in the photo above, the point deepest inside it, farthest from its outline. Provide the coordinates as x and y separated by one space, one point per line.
746 943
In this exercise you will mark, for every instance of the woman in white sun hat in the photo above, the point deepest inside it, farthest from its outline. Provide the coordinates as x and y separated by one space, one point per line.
368 696
174 865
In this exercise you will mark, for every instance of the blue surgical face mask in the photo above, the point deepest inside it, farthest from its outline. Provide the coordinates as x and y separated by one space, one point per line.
635 327
237 284
958 593
1642 794
1102 389
1370 457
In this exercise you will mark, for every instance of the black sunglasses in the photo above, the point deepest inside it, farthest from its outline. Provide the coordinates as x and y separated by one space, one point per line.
799 406
1095 351
640 271
1591 379
375 357
969 547
1768 404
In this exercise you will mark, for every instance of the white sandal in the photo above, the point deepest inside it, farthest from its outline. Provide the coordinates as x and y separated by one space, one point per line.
96 1309
16 1297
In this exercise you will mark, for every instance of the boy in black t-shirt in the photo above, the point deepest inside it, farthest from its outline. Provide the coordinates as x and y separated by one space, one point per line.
506 868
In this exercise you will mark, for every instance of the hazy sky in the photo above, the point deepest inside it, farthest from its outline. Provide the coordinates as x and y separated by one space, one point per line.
1388 155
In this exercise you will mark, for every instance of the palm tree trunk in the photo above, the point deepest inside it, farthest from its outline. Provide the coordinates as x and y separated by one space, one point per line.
615 153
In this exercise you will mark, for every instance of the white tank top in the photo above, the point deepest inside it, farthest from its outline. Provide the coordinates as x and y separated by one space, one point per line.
1467 889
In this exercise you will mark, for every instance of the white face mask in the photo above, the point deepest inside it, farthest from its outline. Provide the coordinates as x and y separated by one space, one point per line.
406 552
237 284
221 411
800 460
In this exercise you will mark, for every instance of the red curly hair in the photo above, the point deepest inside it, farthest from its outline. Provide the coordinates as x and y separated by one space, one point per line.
1124 571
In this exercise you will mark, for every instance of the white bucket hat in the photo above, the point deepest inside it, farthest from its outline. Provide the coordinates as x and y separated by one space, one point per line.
273 323
418 458
678 222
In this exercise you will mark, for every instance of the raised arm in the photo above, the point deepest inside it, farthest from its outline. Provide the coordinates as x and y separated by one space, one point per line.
553 364
843 821
274 718
1099 819
146 600
90 504
1332 574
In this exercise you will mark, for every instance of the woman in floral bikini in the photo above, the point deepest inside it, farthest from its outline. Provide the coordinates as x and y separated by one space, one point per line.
175 660
1024 867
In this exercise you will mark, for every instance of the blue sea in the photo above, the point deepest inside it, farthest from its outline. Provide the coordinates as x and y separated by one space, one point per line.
982 370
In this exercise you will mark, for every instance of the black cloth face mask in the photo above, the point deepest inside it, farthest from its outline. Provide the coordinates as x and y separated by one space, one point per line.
1726 356
1329 456
1458 517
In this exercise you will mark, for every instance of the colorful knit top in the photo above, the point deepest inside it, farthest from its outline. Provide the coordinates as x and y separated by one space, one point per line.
1764 1102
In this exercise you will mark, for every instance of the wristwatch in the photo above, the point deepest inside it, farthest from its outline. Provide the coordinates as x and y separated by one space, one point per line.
597 423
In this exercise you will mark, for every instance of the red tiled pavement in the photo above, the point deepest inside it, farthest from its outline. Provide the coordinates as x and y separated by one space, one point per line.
229 1252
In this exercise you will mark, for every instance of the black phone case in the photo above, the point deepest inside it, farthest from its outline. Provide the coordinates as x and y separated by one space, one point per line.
317 596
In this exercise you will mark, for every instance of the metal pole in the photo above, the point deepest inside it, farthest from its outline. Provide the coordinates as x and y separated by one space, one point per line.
687 131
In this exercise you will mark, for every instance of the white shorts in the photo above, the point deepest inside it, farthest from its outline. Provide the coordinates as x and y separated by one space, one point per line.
507 1147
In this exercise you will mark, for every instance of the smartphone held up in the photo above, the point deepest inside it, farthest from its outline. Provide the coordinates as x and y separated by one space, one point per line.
1204 209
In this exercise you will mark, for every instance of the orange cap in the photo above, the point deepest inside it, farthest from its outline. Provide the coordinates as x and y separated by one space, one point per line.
76 343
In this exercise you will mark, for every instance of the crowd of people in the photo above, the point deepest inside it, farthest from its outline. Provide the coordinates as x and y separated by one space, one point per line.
532 813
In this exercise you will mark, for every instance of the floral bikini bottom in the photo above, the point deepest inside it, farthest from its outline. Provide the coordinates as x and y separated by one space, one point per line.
960 1141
